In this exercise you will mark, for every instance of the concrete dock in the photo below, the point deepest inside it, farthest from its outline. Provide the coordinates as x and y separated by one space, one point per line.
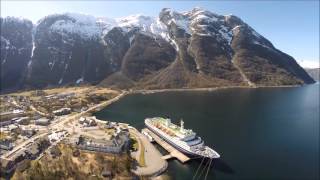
154 163
174 153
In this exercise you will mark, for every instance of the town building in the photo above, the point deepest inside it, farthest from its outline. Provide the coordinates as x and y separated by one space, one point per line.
88 121
6 145
42 121
56 136
12 127
117 144
22 120
62 111
28 132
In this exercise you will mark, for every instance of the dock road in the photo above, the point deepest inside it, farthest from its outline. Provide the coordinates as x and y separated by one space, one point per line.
154 164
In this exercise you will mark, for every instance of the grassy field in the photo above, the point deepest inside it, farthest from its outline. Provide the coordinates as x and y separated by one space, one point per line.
78 90
142 161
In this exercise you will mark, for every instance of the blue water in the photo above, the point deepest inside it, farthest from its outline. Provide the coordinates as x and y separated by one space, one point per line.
264 133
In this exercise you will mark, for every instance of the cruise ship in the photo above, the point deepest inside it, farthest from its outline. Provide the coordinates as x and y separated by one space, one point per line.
185 140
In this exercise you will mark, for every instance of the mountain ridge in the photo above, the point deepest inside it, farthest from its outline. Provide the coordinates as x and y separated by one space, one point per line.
196 48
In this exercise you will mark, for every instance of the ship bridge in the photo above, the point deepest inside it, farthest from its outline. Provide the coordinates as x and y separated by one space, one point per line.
195 141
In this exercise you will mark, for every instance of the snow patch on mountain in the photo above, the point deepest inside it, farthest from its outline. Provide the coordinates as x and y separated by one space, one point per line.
90 27
174 44
106 24
80 80
196 21
32 52
199 14
183 23
226 34
179 19
158 28
61 80
131 39
143 23
33 47
263 45
134 21
84 25
7 45
199 22
29 64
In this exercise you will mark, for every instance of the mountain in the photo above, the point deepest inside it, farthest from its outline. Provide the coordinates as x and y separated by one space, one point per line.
314 73
190 49
16 46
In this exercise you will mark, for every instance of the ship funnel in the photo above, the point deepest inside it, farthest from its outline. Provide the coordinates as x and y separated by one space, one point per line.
181 125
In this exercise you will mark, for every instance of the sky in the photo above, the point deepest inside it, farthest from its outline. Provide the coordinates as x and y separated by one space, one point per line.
292 26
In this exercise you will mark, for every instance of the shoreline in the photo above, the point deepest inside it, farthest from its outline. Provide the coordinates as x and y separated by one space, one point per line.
210 89
149 91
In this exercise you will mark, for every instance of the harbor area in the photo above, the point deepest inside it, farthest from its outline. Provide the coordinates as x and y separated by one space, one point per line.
60 130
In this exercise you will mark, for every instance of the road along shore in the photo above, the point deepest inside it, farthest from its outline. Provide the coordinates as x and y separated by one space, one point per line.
146 91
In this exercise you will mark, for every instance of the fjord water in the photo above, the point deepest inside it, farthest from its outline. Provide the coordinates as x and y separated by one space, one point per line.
264 133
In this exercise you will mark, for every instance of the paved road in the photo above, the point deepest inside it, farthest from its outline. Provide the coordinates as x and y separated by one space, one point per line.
21 146
155 165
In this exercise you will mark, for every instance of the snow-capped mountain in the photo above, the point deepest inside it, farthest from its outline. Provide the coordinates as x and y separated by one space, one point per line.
197 48
84 25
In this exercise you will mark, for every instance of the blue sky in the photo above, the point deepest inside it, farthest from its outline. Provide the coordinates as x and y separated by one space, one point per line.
292 26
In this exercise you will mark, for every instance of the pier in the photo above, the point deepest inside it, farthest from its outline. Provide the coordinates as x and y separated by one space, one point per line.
174 153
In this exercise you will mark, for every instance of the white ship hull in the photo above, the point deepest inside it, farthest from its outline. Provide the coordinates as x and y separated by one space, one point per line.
181 145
